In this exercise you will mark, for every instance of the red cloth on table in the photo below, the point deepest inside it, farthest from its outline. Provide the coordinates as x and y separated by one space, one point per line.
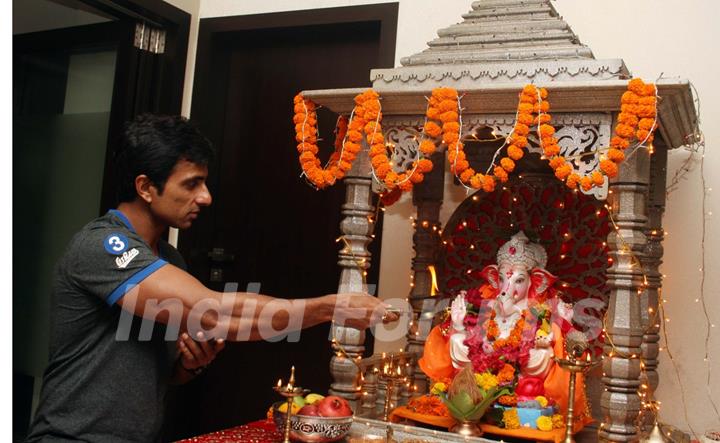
262 431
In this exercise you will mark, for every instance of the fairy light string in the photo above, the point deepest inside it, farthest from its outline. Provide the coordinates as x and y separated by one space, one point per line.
709 325
661 307
360 262
645 393
696 145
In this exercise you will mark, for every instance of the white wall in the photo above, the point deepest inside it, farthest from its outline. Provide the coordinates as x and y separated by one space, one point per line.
192 7
653 37
677 39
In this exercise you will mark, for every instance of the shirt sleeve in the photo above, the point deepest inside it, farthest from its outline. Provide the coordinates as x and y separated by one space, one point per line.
109 261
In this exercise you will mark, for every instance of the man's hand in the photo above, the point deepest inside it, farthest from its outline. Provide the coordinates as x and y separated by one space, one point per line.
198 354
361 311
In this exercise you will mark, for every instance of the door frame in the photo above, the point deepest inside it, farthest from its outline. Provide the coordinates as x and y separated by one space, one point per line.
211 63
204 109
128 96
165 99
216 41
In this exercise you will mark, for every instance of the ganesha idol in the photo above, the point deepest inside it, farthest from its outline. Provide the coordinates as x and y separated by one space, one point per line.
509 330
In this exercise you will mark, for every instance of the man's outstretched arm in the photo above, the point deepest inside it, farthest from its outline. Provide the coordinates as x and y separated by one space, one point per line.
170 291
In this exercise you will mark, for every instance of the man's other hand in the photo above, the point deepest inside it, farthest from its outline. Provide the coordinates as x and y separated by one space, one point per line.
200 353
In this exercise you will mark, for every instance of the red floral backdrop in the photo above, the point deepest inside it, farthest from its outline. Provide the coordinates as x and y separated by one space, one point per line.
571 226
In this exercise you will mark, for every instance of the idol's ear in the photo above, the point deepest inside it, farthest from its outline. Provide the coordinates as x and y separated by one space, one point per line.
541 280
491 275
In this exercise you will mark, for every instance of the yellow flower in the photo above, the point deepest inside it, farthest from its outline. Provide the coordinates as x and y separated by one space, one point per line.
542 400
486 380
544 423
438 388
511 419
558 421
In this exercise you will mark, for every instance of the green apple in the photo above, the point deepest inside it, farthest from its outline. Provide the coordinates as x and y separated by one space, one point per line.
299 400
312 398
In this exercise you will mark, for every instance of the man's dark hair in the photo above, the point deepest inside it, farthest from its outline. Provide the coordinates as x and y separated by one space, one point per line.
152 145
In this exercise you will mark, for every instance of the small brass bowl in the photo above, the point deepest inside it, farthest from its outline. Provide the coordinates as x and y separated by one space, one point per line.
313 429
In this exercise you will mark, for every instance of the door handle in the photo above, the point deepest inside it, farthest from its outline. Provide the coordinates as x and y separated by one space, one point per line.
219 257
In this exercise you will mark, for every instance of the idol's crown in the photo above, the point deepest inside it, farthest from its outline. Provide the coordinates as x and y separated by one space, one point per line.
519 251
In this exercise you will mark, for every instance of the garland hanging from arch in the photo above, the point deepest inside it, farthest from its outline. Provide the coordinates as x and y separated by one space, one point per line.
306 135
637 119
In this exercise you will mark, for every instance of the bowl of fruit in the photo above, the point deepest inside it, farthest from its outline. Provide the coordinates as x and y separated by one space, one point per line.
314 418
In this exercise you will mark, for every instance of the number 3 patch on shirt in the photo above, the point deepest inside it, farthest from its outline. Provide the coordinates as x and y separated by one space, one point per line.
116 243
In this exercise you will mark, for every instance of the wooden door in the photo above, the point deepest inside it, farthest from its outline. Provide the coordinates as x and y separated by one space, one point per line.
267 225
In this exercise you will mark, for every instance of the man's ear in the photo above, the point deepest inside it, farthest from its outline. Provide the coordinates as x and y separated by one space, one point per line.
142 187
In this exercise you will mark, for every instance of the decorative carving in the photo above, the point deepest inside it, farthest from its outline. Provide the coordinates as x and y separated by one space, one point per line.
327 430
501 71
579 138
580 145
405 139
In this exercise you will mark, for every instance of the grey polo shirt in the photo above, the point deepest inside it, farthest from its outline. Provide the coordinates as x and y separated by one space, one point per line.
96 387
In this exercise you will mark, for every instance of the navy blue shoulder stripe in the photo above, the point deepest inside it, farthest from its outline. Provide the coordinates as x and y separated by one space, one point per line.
135 279
124 219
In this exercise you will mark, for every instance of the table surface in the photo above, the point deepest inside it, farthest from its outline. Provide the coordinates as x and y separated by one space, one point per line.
261 431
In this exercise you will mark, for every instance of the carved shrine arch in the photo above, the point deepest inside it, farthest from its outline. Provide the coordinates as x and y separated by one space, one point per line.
571 226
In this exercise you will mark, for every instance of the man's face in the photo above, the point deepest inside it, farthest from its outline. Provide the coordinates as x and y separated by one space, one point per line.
185 193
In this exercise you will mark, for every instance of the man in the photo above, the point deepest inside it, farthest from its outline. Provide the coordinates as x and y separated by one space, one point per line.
106 384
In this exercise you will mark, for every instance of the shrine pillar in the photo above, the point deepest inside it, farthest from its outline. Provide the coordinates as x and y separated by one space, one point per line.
426 243
354 259
649 302
628 202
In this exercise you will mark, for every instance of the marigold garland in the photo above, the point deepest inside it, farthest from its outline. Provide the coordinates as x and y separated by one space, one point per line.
530 103
637 119
512 340
506 374
340 161
428 405
394 182
510 419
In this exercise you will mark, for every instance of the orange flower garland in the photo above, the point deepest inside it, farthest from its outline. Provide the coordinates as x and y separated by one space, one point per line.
637 120
638 110
379 158
530 102
428 405
512 340
340 162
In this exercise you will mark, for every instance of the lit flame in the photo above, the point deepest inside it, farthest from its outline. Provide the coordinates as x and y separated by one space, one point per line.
433 286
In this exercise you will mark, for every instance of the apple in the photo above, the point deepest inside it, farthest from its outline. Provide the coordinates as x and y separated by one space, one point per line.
334 406
313 398
309 410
